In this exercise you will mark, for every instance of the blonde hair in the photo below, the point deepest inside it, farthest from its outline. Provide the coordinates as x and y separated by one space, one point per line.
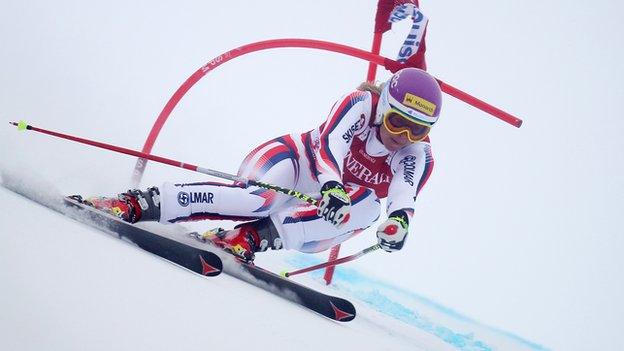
368 86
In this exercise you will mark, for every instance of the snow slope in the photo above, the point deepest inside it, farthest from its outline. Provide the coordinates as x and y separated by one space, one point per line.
67 286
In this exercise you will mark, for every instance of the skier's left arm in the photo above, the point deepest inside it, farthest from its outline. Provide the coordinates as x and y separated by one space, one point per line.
411 167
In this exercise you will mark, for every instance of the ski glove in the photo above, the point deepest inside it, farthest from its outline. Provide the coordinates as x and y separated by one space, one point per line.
392 233
335 204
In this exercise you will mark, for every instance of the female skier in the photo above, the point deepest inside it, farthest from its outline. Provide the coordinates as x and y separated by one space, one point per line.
373 145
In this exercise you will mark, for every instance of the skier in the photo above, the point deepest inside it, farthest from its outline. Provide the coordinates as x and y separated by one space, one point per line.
374 144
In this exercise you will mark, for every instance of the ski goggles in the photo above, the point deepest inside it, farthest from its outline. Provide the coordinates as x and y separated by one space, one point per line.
396 122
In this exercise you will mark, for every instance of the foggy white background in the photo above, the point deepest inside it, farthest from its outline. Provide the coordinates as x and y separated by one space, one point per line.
517 228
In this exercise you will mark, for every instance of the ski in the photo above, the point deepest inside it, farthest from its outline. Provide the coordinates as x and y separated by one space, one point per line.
191 252
199 261
332 307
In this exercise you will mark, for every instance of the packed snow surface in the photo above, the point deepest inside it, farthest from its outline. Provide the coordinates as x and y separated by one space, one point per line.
68 286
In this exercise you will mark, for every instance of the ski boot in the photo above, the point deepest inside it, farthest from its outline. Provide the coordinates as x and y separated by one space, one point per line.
245 239
131 206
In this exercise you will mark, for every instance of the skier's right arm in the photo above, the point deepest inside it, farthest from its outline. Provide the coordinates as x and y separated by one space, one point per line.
348 118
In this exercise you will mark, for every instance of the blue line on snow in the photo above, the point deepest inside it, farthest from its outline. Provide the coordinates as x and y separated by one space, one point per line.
394 301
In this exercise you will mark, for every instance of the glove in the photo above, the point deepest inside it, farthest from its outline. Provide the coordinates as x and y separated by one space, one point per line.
392 233
335 205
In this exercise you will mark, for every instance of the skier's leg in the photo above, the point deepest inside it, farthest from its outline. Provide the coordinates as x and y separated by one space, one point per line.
275 162
301 229
296 226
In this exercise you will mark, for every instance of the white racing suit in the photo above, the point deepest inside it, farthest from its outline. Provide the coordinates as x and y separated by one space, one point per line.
345 148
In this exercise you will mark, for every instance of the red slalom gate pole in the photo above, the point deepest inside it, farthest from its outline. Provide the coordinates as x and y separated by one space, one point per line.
230 55
370 77
329 272
373 58
333 263
372 67
480 104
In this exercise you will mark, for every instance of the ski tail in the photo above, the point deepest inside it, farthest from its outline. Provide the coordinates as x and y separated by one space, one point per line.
200 261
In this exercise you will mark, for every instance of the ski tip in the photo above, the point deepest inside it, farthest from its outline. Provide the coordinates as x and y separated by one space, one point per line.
343 310
211 264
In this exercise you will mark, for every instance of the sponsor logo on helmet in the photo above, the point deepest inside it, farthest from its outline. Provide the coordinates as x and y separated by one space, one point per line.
348 135
185 199
422 105
395 79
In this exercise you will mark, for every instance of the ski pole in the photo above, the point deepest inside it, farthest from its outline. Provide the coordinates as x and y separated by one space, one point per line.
22 125
334 262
